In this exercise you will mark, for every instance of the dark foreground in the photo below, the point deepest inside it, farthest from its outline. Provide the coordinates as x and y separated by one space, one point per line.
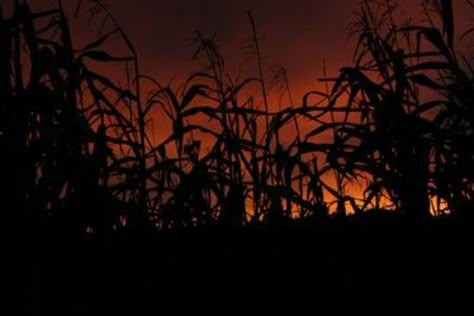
377 265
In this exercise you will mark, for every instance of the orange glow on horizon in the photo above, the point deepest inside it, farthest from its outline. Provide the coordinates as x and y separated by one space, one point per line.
301 48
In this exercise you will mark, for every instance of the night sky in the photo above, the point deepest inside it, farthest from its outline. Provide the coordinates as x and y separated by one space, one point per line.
296 35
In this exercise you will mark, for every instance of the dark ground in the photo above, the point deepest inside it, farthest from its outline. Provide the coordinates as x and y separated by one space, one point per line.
375 264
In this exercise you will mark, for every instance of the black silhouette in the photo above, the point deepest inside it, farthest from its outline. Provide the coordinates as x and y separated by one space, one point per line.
108 222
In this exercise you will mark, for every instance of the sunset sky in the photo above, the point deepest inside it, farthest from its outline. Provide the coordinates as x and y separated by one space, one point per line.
296 34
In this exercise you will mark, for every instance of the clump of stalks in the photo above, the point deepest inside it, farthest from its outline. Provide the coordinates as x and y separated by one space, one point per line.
79 151
247 173
412 92
74 153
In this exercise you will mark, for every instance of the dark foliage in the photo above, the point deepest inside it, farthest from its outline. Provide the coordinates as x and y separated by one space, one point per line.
102 214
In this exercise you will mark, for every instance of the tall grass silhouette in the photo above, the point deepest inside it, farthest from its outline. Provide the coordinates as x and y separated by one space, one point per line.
240 200
79 148
69 132
414 127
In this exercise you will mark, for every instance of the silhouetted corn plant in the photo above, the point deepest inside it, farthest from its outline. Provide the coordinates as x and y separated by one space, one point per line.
399 122
65 127
406 142
247 170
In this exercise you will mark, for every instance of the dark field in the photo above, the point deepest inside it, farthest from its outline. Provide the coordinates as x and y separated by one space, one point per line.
373 265
354 200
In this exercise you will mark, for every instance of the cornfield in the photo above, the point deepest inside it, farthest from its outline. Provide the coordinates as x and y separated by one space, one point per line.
79 148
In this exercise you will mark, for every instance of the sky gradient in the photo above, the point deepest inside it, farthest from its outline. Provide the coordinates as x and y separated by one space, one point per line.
297 35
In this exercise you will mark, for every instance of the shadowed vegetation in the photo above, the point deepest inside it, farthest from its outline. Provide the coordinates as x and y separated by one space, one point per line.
400 120
82 170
